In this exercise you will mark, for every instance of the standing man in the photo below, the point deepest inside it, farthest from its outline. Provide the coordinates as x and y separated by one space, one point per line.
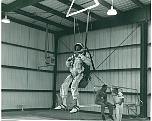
76 64
118 101
101 99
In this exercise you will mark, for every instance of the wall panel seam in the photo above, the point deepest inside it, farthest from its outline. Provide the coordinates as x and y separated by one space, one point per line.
105 70
17 45
105 48
93 92
24 68
25 90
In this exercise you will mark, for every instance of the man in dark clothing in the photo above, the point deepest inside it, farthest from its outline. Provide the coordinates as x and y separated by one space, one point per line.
101 99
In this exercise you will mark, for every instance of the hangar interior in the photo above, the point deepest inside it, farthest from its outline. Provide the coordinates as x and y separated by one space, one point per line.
39 30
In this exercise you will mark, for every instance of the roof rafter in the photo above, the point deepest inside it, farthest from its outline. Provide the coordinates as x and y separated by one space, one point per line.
29 24
55 12
108 5
38 18
78 7
18 4
138 3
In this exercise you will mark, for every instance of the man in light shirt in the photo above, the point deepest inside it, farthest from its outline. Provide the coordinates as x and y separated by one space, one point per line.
118 101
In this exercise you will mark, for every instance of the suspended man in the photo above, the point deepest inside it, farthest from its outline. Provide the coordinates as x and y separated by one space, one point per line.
77 64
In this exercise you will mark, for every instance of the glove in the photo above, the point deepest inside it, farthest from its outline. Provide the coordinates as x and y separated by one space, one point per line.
82 56
69 59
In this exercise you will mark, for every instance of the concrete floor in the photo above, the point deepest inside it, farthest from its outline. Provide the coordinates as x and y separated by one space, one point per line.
53 115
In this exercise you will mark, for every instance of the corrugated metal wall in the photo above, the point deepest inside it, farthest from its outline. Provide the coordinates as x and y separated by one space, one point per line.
22 53
149 69
122 68
23 84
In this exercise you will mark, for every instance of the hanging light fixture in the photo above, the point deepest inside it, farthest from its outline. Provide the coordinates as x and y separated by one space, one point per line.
112 11
6 20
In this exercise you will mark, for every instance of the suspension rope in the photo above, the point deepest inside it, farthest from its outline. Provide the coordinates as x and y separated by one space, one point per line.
74 28
86 38
81 35
86 35
99 79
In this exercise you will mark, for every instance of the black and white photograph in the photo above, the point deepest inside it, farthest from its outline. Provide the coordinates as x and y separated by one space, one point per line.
76 60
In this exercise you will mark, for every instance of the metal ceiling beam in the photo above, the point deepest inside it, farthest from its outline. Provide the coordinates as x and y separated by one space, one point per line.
78 7
38 18
108 5
138 3
18 4
55 12
29 24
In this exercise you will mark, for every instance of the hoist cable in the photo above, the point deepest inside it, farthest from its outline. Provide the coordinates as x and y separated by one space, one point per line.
117 47
74 28
86 38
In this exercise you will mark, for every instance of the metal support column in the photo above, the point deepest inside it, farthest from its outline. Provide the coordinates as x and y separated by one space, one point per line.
55 70
143 68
